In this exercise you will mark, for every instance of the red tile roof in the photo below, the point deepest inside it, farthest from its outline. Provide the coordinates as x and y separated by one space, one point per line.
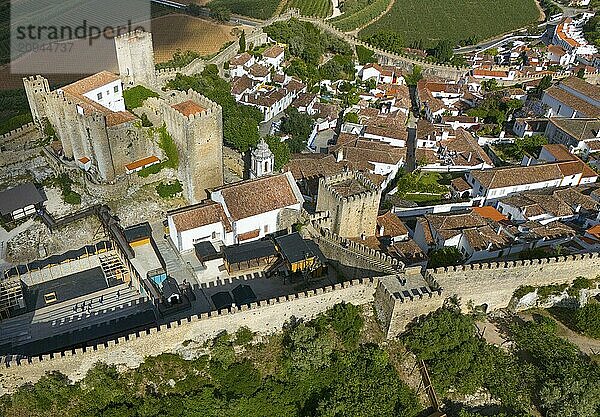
188 108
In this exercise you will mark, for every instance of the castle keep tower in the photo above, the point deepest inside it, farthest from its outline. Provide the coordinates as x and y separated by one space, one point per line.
135 56
262 160
196 125
37 89
353 203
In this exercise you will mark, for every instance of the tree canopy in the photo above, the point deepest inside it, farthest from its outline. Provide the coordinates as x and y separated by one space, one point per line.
240 123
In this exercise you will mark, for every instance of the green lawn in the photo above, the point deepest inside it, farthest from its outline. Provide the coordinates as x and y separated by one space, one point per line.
259 9
433 20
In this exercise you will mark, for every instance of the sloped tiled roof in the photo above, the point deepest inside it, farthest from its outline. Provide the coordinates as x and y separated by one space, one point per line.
200 215
251 197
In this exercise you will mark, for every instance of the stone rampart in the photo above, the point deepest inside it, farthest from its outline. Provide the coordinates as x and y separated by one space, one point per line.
183 336
26 128
493 284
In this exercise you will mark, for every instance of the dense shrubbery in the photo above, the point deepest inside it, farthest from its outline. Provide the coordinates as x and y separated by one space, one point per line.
134 97
307 44
545 371
240 123
588 320
313 369
169 189
179 60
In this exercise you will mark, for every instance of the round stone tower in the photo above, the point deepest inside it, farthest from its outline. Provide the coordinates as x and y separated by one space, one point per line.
262 160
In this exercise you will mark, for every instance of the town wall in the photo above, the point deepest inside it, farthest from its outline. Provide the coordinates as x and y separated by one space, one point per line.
187 335
493 284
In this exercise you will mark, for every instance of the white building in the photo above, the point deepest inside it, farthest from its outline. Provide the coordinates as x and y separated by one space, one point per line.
572 97
240 212
496 183
103 88
274 56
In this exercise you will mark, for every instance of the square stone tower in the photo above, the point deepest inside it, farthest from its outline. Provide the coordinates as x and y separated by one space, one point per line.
352 201
135 56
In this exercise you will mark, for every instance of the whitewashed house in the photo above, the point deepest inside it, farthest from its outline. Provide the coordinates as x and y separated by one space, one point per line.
239 212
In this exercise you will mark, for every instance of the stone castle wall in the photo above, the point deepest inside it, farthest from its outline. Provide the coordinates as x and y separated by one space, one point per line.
493 284
264 317
488 284
199 139
354 215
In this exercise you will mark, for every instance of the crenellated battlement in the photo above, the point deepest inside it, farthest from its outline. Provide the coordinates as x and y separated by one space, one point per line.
515 264
212 316
330 182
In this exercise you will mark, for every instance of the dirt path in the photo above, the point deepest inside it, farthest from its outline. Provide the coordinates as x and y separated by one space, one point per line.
280 8
386 11
586 344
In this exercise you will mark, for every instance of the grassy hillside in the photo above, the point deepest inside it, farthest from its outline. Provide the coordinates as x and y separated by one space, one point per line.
430 21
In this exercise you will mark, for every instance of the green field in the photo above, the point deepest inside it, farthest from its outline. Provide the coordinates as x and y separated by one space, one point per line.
430 21
358 13
259 9
319 8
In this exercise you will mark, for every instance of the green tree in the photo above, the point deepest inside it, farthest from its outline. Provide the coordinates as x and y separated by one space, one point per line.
446 256
588 319
242 42
298 126
443 51
351 117
413 78
220 12
281 151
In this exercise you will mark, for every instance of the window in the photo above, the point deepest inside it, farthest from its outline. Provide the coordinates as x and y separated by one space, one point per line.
99 96
116 88
266 228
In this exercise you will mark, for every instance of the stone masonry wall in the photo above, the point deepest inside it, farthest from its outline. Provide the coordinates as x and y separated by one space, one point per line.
493 284
183 336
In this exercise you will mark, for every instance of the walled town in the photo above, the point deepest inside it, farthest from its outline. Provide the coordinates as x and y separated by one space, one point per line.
150 211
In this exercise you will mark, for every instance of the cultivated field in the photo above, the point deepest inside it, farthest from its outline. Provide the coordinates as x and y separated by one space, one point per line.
259 9
358 13
173 32
457 20
319 8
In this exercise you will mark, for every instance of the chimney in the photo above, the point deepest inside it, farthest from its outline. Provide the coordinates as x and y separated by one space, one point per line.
470 156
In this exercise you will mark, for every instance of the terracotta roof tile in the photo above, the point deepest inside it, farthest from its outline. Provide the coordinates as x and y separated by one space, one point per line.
248 198
199 215
188 107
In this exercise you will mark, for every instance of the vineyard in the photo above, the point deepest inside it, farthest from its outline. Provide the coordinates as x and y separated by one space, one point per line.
318 8
4 31
259 9
430 21
358 13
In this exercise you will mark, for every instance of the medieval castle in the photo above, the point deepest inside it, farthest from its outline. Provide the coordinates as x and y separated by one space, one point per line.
102 137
